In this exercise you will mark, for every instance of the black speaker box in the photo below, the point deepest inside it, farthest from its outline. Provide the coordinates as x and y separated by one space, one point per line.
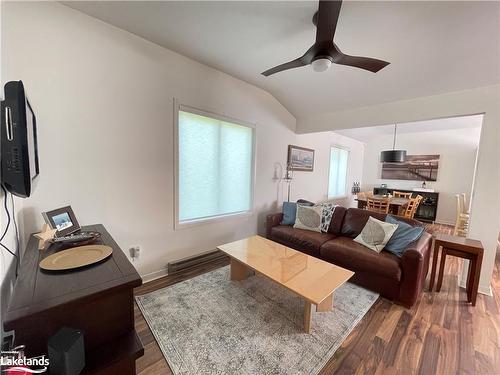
66 352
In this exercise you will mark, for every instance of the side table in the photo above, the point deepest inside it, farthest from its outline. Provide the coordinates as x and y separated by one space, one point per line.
461 247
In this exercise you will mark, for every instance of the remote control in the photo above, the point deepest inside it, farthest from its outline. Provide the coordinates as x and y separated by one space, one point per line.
80 237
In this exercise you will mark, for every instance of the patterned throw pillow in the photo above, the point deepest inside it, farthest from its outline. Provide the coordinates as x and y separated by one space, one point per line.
376 234
308 218
326 218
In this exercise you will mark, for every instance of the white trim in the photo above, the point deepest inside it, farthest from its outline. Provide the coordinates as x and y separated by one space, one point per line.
195 222
483 289
154 275
212 219
346 195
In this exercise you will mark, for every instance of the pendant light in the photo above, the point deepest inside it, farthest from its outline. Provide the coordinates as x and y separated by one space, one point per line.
393 156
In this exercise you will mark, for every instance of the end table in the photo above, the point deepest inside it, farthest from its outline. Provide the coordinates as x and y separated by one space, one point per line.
461 247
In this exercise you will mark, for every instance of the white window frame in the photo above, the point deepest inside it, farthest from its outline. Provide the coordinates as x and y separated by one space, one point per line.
205 220
346 195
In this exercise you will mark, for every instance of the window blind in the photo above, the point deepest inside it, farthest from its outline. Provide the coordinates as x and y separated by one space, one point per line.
337 182
215 167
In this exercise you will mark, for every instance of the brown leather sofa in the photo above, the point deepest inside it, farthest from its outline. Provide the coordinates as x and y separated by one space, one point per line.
398 279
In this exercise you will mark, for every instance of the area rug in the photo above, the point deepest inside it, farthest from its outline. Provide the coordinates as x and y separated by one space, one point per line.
212 325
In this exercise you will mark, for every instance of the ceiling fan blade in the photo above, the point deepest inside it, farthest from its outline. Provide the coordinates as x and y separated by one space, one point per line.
297 63
328 15
367 63
303 60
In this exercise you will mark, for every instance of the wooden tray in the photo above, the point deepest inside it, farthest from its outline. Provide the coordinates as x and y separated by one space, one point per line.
76 257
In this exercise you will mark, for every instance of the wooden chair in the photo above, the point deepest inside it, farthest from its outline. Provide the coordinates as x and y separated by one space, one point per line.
419 199
462 219
364 194
400 194
411 208
377 205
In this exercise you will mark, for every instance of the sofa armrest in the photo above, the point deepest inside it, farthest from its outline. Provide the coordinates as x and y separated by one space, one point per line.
414 265
272 220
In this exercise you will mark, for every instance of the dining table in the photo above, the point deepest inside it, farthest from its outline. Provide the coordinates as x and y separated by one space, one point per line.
394 203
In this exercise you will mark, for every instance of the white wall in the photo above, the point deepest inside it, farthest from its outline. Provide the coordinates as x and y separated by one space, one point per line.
457 149
314 185
485 215
104 104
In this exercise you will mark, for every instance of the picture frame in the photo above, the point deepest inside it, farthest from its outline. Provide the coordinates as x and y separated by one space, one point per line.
63 219
414 168
300 159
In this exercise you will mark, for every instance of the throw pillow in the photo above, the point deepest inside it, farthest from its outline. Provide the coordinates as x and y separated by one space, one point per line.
289 213
326 218
309 218
305 202
402 237
376 234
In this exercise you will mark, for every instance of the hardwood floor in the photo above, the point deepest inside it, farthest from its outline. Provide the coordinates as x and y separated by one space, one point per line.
441 334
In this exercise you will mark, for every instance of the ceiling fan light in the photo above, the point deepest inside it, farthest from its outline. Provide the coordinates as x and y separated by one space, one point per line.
321 64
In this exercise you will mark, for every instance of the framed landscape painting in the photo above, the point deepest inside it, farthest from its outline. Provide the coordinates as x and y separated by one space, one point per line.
300 158
415 168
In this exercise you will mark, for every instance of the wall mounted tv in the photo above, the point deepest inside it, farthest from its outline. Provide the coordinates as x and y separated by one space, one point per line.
19 152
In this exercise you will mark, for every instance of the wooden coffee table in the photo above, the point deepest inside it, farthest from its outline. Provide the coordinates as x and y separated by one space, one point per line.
311 278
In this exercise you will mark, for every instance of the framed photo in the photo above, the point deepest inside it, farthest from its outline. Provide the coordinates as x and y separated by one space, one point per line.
300 158
63 219
414 168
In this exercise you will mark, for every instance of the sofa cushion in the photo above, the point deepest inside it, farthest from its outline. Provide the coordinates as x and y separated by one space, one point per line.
355 220
303 240
344 252
337 219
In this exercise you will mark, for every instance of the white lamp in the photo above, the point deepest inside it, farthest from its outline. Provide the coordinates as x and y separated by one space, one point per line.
321 64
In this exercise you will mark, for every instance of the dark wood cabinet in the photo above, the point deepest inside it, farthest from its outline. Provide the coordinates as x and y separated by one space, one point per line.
97 300
427 210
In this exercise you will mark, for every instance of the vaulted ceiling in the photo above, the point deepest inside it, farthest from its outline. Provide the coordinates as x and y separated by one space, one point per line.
433 47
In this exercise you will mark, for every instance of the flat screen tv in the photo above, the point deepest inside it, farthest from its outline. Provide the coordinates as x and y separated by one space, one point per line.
19 152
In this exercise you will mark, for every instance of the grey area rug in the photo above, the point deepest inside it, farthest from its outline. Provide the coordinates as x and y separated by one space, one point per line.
212 325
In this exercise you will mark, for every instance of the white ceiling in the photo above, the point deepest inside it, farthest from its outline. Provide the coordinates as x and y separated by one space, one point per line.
433 47
452 123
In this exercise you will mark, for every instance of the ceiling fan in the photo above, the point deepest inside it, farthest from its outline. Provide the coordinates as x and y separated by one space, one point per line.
324 51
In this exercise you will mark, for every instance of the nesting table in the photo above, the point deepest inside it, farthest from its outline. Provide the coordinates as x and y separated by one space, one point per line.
461 247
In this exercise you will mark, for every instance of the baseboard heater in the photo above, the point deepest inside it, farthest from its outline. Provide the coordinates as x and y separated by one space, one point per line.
196 261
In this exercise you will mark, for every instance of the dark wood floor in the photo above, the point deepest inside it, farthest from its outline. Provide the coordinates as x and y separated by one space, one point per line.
441 334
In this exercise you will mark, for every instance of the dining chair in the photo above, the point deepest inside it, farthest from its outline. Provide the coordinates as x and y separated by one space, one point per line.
419 199
363 195
462 219
400 194
377 205
410 208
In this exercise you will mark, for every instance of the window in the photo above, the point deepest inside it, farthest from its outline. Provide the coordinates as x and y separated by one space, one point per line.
215 166
337 181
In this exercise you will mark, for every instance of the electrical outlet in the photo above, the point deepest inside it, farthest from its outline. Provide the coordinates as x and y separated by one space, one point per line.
135 252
